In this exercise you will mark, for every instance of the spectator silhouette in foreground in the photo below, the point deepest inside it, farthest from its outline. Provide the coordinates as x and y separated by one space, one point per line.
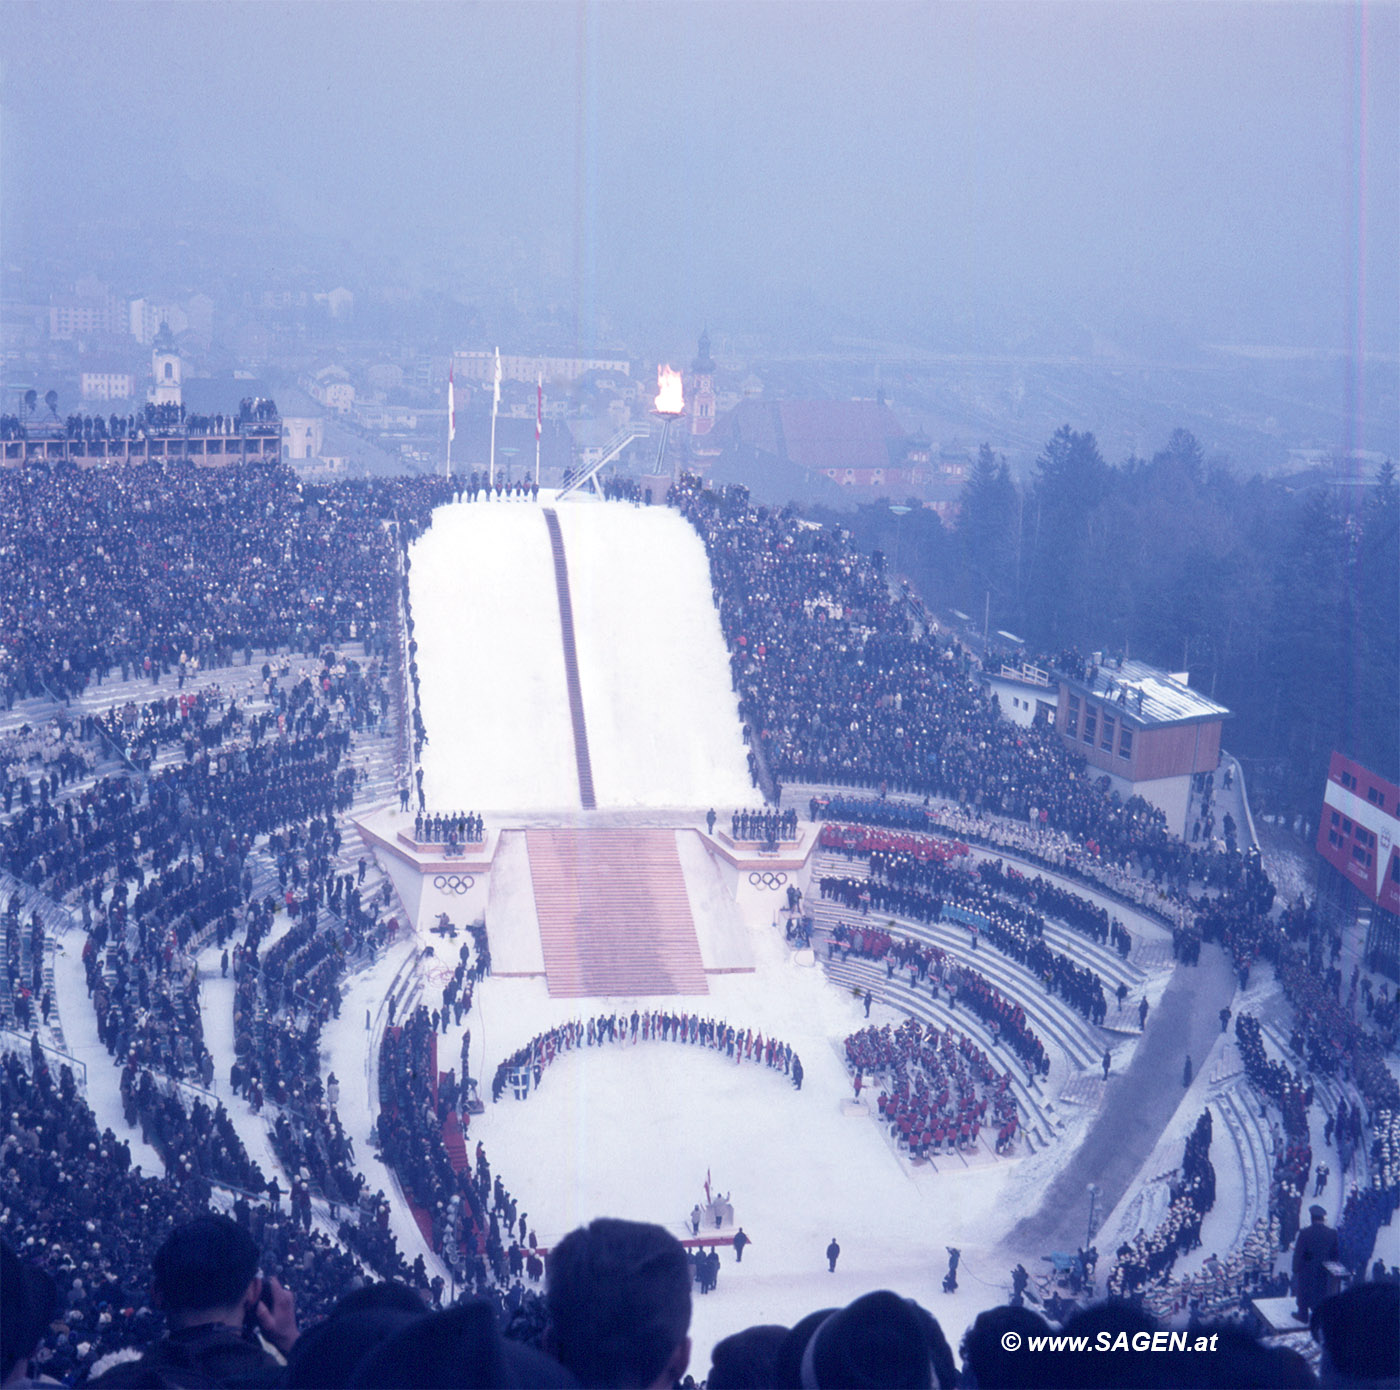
618 1295
880 1339
1315 1246
1360 1334
746 1360
30 1300
459 1348
207 1284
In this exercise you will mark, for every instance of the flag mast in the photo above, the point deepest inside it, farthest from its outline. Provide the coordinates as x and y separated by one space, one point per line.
495 402
539 420
451 417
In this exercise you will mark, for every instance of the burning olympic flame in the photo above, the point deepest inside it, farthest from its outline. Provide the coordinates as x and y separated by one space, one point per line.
669 397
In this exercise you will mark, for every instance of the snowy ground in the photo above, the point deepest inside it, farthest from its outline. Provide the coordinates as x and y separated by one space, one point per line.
662 721
493 695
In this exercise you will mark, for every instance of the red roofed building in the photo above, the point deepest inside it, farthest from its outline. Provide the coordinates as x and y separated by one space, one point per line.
855 444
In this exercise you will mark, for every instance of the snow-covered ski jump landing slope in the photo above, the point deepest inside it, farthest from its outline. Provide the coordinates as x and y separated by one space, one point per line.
662 720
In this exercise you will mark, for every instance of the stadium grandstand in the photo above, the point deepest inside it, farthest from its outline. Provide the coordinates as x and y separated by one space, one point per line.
408 875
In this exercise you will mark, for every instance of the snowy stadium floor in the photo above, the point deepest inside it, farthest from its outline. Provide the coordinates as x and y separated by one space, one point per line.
634 1130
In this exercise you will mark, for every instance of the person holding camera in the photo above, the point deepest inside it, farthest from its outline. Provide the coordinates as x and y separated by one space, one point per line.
226 1324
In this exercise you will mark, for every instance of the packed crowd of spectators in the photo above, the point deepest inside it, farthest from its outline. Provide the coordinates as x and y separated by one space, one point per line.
1150 1255
617 1312
1005 1018
929 891
861 841
841 688
72 1201
164 571
938 1088
476 1225
1293 1096
1135 880
110 568
256 415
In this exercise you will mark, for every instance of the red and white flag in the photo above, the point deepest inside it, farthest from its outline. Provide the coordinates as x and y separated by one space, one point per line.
539 407
451 407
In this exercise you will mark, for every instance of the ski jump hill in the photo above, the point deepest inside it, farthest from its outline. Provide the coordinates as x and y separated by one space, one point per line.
575 689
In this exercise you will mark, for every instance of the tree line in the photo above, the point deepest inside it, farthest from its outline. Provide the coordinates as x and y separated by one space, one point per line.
1283 605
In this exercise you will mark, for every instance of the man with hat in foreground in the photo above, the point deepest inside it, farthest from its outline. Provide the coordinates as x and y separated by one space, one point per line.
1314 1247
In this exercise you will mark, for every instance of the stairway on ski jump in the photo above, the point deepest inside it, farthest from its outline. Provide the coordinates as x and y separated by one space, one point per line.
614 915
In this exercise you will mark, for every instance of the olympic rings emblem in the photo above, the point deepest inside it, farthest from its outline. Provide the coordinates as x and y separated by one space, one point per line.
454 883
767 879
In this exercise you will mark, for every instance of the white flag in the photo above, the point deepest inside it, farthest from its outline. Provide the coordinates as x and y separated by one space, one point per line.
451 408
496 399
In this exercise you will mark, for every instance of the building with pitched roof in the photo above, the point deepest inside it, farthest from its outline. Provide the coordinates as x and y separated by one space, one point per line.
854 444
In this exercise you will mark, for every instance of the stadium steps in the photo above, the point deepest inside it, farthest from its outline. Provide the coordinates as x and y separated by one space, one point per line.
1327 1090
1050 1017
1083 950
566 628
614 915
800 793
454 1139
1252 1148
1037 1128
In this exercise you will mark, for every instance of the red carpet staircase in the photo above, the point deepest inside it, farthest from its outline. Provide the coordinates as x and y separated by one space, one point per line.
613 912
566 627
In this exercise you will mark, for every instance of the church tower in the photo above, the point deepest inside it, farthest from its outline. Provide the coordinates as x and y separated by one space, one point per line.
165 368
702 389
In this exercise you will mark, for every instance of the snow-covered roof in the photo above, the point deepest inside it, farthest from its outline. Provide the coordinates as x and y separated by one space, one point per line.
1148 694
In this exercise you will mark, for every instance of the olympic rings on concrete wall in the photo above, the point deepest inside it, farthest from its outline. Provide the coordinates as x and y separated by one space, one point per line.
766 878
454 883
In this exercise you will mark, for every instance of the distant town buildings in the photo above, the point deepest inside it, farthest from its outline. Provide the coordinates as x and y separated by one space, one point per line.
92 311
701 390
481 366
105 380
858 445
332 388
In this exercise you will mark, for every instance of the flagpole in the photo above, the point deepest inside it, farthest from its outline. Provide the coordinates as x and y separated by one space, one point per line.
495 401
539 421
451 417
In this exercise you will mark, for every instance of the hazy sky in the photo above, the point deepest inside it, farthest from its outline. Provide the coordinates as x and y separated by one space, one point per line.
1227 169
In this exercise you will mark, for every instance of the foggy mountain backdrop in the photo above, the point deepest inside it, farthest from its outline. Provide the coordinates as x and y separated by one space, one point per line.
1038 180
